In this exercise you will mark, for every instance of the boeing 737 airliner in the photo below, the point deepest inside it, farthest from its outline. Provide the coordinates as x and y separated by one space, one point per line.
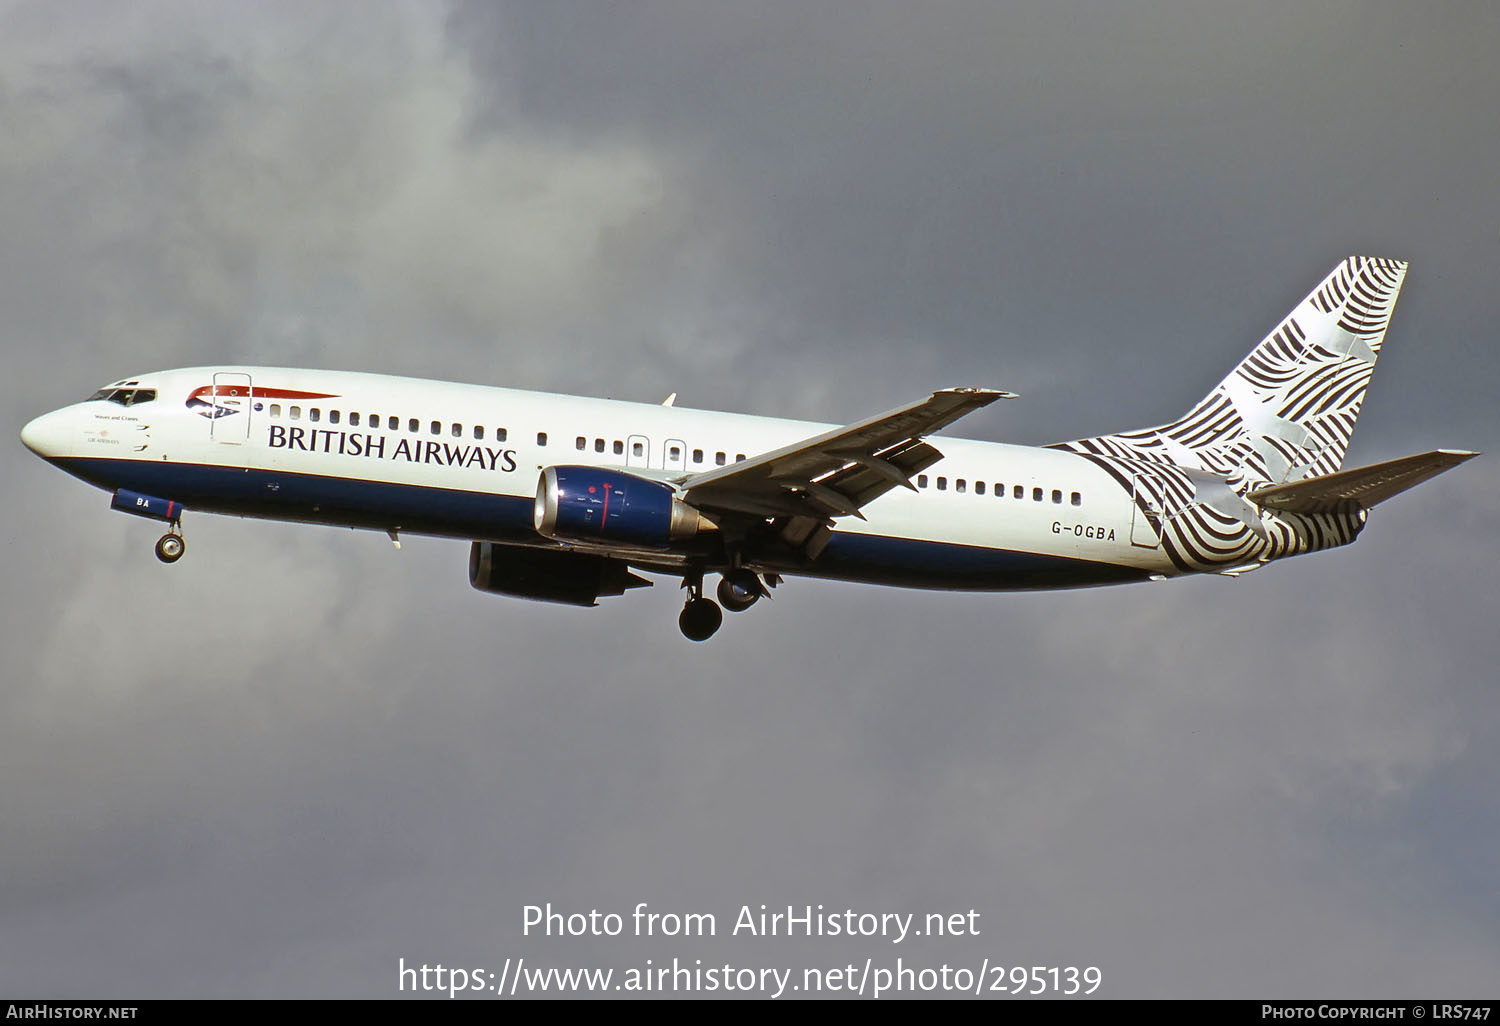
563 497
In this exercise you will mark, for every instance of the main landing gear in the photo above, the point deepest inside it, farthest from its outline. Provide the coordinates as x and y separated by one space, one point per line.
739 590
700 618
170 546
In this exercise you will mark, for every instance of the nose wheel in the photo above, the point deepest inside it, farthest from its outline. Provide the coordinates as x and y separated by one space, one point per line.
170 547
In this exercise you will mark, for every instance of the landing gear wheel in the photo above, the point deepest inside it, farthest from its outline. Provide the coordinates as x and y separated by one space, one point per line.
169 548
700 618
738 590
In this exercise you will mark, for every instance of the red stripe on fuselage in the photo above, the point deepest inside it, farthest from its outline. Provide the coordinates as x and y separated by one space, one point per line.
258 392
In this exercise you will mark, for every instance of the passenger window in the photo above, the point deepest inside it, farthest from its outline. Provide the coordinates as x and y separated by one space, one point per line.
978 487
275 409
697 455
961 485
942 484
393 423
314 414
541 438
921 480
333 416
354 420
999 490
413 425
598 445
619 447
499 434
676 453
1077 499
1036 495
579 443
1019 492
296 413
1057 496
637 449
479 432
436 427
718 459
739 457
458 431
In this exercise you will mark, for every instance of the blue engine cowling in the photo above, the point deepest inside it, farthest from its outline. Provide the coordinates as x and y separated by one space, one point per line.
597 504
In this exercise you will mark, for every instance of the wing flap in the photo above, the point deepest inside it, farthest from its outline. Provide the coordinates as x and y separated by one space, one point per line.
1362 487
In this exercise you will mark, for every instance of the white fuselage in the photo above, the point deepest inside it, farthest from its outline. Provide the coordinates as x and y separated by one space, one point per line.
458 460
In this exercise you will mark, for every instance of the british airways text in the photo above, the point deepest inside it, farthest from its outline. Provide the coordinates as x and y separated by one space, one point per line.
348 443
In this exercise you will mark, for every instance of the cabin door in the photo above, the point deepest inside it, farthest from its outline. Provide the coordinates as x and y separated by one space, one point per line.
1143 510
231 413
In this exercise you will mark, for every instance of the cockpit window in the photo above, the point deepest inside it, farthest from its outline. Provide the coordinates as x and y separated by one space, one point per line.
125 396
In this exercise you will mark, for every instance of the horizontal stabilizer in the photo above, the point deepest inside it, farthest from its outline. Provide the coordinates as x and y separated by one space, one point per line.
1362 486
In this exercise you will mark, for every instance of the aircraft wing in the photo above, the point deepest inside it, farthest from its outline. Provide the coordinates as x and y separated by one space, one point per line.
836 473
1362 486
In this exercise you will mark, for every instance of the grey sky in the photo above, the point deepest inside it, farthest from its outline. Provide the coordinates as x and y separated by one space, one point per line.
298 755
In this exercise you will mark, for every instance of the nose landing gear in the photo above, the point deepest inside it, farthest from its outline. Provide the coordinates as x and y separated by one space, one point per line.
170 546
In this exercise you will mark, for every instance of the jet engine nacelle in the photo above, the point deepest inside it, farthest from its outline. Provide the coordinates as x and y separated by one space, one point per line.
597 504
545 575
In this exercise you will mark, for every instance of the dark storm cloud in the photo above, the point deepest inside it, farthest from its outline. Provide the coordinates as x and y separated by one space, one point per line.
299 755
1001 193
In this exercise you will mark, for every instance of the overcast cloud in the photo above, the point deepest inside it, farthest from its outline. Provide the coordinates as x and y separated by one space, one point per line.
299 755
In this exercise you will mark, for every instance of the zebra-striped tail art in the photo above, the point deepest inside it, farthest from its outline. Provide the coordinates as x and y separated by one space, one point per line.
1285 414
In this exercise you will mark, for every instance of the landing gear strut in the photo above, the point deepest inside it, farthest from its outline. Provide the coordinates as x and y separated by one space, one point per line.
170 546
700 618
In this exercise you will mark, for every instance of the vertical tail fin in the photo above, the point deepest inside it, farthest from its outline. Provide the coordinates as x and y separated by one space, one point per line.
1287 412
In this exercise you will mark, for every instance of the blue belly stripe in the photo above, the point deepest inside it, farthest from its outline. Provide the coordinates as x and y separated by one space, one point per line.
452 513
912 563
309 498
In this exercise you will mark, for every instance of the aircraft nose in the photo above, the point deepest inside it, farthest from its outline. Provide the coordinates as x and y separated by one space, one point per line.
43 435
